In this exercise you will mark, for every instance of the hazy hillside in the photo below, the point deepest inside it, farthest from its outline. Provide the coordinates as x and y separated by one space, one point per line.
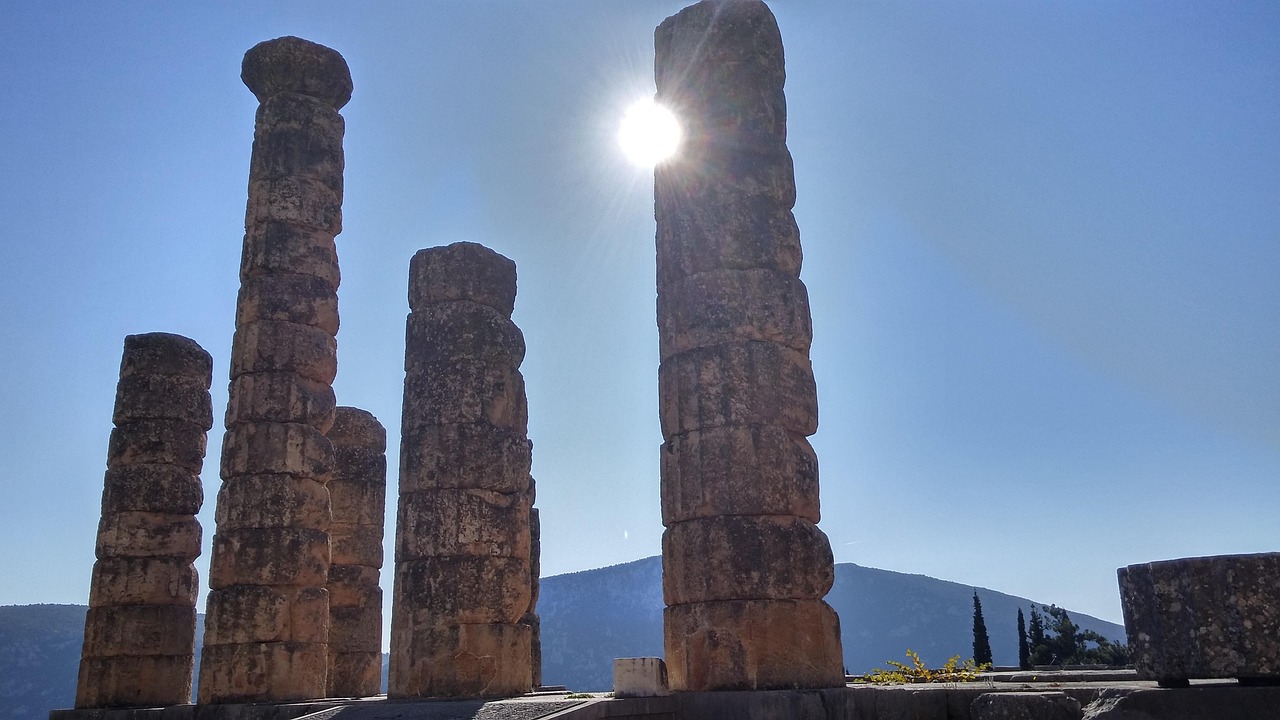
39 658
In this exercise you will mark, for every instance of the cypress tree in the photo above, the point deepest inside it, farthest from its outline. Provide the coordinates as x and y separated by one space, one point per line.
1035 636
981 643
1024 651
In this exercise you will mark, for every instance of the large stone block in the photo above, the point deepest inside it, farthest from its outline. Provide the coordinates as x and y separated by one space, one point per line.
165 354
739 383
355 629
272 501
535 559
738 470
461 590
462 271
1206 617
139 630
461 331
730 233
288 297
434 523
356 429
534 622
260 672
463 392
276 448
163 397
152 488
293 65
753 645
737 557
280 397
143 581
354 502
354 586
473 455
269 556
134 681
259 613
272 246
298 200
275 346
721 306
147 534
356 544
487 660
159 442
354 674
296 135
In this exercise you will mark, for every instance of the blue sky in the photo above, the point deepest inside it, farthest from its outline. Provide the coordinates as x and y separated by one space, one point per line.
1041 242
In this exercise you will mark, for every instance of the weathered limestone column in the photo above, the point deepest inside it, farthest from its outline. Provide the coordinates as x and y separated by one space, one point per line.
267 627
530 617
462 577
745 566
358 494
139 635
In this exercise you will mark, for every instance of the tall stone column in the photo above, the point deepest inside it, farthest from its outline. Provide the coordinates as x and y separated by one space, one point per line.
535 586
267 627
745 566
139 634
358 494
462 577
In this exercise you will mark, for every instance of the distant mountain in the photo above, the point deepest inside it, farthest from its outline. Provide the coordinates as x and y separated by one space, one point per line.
591 617
588 619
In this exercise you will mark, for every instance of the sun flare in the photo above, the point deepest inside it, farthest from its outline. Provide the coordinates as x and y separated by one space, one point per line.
649 133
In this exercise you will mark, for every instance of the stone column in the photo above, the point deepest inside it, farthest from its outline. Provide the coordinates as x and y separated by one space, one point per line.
530 617
358 494
268 609
745 566
462 577
139 634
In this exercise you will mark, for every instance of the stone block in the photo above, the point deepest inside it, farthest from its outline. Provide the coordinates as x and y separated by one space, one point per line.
298 200
1206 617
460 661
1025 706
355 502
461 330
260 672
276 448
152 488
433 523
733 233
743 557
143 581
163 397
165 354
462 271
356 544
269 556
296 135
753 645
465 392
139 630
275 346
355 629
278 247
272 501
354 586
535 557
259 613
640 677
534 622
146 534
474 455
461 590
719 306
739 383
134 681
738 470
158 442
354 674
288 297
280 397
356 429
293 65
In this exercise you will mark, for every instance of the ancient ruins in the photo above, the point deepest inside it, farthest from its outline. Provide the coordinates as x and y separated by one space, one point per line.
745 566
139 635
463 580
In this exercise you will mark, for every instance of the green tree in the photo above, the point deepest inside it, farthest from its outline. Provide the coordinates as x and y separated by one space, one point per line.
1062 642
1024 650
981 643
1039 654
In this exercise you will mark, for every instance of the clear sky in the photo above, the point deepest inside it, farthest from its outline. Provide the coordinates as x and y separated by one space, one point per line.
1042 242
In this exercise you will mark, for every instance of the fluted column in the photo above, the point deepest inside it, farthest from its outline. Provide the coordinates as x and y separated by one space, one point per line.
139 635
268 608
745 566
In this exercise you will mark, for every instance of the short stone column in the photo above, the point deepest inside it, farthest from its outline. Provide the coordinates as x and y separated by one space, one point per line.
745 566
267 627
530 617
139 634
357 493
462 576
1206 617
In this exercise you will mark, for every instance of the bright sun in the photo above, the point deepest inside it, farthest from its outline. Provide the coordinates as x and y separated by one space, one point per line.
649 133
